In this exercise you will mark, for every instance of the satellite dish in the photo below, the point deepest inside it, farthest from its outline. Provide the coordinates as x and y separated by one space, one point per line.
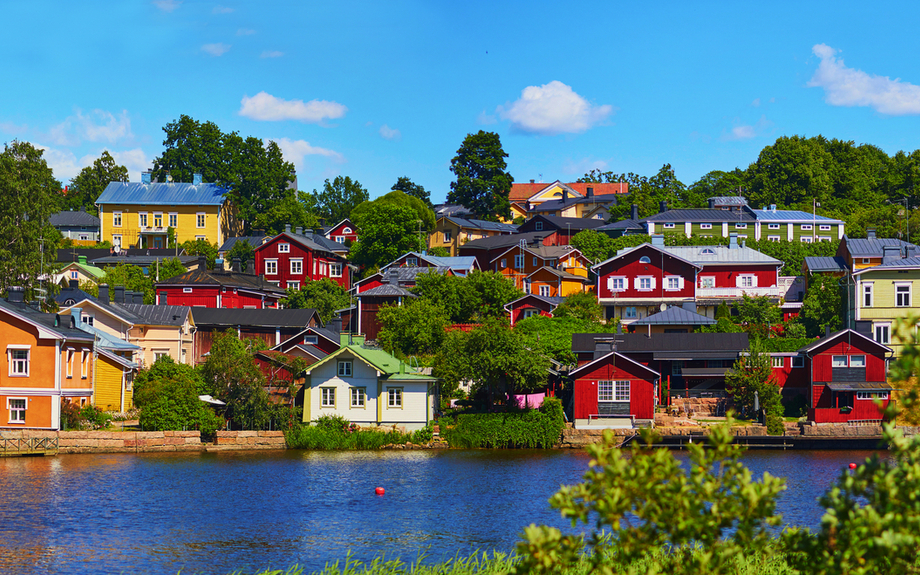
663 307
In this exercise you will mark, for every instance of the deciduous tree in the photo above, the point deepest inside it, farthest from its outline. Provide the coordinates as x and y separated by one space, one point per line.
752 375
338 198
385 231
404 184
821 307
482 183
86 187
414 328
325 296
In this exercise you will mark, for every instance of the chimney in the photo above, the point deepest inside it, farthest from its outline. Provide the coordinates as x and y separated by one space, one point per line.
202 263
565 194
890 254
658 240
827 331
662 207
590 192
118 294
712 203
81 260
602 348
104 293
15 294
335 326
689 305
235 265
870 233
531 181
138 297
145 177
634 213
287 228
393 276
773 208
76 313
733 241
74 284
196 179
299 230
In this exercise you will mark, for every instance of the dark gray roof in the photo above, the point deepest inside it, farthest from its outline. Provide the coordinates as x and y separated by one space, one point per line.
457 210
560 223
142 261
222 278
623 224
222 317
67 255
505 241
75 295
902 263
157 314
555 205
675 316
484 225
162 194
254 241
387 290
313 242
71 218
47 320
665 342
825 264
866 248
701 215
553 301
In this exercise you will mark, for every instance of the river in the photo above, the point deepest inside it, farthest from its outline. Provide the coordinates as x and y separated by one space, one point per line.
221 512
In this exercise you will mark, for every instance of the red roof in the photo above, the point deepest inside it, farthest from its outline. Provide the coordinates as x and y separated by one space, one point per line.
520 192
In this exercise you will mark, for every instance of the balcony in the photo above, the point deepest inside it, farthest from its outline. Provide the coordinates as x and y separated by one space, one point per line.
738 293
152 230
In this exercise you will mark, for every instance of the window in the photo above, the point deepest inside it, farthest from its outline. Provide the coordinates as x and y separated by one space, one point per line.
158 353
707 252
872 395
538 226
201 238
344 368
772 226
616 284
357 397
798 361
346 230
857 361
84 237
327 397
310 339
630 312
867 295
84 365
866 260
824 228
536 261
158 220
530 312
883 332
645 260
746 281
116 219
613 391
544 291
412 262
673 283
142 219
275 283
705 226
518 261
668 226
839 361
284 248
200 219
18 358
187 290
174 220
297 266
87 319
779 362
740 226
335 270
293 285
394 397
447 237
708 282
322 268
645 283
805 227
340 239
773 238
806 239
677 368
70 354
902 295
74 274
504 263
17 409
271 267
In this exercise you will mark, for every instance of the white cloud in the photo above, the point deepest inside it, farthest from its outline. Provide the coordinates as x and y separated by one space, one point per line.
553 108
245 32
272 54
388 133
222 10
583 166
746 131
66 166
14 129
296 151
265 107
486 119
166 5
96 126
216 49
849 87
756 102
135 160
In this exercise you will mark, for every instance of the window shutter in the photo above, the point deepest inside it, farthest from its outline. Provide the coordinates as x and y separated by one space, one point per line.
738 281
680 282
754 281
653 282
610 283
636 283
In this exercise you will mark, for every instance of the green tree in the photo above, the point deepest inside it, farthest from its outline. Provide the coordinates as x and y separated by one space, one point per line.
325 296
296 208
758 315
821 307
414 328
552 336
425 218
752 375
246 252
791 173
86 187
167 395
719 183
167 269
385 231
699 517
404 184
581 305
30 195
338 198
476 297
231 375
481 184
201 247
132 278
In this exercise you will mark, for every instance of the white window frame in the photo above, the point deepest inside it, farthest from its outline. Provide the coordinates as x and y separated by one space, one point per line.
394 398
902 294
284 248
71 352
23 364
616 283
857 361
668 226
84 365
674 283
839 361
774 238
867 296
881 332
613 391
311 339
779 362
747 281
271 267
293 285
335 269
142 219
740 226
19 410
173 220
358 397
873 395
707 281
116 219
805 227
327 397
824 228
345 368
772 226
645 283
705 226
297 266
187 290
544 290
340 239
630 312
201 219
447 236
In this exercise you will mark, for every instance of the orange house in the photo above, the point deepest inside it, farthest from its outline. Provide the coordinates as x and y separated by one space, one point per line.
567 271
48 361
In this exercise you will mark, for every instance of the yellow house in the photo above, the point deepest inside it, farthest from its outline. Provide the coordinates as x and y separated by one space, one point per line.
884 294
113 382
139 215
451 233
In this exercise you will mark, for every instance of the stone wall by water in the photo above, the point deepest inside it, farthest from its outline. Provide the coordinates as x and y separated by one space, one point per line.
150 441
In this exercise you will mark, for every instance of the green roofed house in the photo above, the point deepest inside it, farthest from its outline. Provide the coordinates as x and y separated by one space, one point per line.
79 271
369 387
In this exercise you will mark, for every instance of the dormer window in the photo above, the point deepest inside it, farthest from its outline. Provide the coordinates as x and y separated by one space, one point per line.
707 252
284 248
645 260
346 230
538 226
310 339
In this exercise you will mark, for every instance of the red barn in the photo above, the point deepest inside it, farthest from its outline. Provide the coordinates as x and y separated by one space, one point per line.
613 390
290 260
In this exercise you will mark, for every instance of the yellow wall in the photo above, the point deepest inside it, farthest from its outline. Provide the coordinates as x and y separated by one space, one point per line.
109 376
215 229
176 342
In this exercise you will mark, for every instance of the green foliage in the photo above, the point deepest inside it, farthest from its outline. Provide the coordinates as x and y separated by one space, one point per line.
167 395
414 328
325 296
30 195
794 330
132 278
599 247
338 434
581 305
247 254
785 344
424 216
201 247
438 252
552 336
723 324
647 193
753 374
404 184
89 184
88 417
167 269
231 375
476 297
704 517
338 198
386 230
481 184
758 315
821 307
518 429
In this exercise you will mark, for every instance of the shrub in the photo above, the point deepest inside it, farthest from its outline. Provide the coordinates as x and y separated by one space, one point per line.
528 428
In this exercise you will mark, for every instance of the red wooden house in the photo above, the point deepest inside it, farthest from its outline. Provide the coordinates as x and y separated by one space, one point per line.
531 305
613 391
218 289
847 372
291 259
343 232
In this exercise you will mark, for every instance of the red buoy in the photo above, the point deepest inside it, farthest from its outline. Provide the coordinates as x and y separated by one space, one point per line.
380 491
852 466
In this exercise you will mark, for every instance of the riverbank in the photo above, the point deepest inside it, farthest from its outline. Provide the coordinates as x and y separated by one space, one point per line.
139 441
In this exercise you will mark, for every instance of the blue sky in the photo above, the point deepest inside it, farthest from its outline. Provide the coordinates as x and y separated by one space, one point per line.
379 90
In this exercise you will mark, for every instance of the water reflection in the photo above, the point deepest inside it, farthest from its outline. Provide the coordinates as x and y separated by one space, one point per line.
219 512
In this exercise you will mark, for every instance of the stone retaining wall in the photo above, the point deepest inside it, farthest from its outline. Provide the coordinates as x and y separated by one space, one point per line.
152 441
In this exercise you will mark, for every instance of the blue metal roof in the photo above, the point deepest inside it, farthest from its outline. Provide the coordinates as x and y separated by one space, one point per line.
675 316
136 193
826 264
792 215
